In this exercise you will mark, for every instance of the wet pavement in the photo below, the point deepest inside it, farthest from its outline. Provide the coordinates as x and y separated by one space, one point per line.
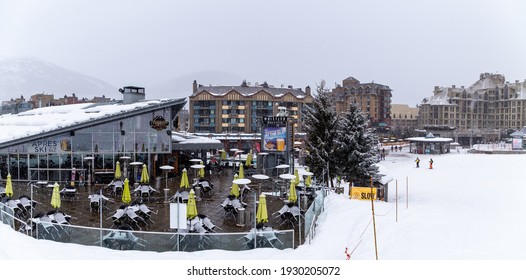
78 206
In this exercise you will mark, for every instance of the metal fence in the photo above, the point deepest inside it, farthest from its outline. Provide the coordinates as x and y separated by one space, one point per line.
149 241
311 215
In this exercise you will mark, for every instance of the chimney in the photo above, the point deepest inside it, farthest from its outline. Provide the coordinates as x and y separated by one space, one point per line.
194 86
307 90
131 94
453 86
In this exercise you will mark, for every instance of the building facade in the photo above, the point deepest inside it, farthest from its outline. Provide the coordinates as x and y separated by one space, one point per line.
404 120
51 143
481 111
372 98
15 106
239 109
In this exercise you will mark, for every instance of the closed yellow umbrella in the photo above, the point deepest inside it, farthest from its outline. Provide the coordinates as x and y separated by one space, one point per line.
241 172
248 163
235 188
191 207
297 179
184 180
201 171
118 173
293 197
9 186
145 178
126 197
307 180
262 215
55 197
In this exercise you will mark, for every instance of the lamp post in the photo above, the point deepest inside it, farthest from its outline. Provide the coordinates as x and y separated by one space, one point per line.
263 158
89 161
166 169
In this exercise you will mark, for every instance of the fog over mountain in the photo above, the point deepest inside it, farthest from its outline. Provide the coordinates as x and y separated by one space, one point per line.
28 75
182 85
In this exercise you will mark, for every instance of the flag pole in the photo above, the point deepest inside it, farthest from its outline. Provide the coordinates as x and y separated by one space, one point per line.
374 221
407 192
397 200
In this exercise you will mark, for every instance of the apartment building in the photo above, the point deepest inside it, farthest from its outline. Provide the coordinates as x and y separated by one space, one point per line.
372 98
483 110
239 109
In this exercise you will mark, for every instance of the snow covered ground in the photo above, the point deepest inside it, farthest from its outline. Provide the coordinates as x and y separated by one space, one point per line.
468 207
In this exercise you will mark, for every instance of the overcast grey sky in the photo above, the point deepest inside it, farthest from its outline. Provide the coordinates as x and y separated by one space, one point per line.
410 46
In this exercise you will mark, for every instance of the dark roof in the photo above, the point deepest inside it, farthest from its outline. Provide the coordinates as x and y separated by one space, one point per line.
249 90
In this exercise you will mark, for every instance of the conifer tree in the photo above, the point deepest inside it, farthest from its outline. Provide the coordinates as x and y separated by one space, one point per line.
357 147
320 125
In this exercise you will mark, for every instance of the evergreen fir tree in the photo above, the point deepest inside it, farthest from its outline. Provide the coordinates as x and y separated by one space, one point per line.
320 125
357 151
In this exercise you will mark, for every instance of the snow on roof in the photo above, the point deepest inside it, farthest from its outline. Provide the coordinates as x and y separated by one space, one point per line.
425 139
386 176
185 141
46 119
439 99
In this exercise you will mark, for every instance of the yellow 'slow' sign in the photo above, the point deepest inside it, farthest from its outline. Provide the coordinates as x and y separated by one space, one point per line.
363 193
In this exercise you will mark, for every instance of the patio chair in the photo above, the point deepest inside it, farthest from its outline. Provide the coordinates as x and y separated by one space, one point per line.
94 201
181 197
116 186
207 223
122 239
61 218
26 203
244 194
206 187
134 218
15 206
68 192
145 191
145 211
119 216
230 211
288 214
270 237
47 228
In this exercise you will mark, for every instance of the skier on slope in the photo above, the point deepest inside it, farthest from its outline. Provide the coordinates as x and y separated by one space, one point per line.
417 162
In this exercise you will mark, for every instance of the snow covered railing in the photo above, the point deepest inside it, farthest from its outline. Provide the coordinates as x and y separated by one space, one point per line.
493 147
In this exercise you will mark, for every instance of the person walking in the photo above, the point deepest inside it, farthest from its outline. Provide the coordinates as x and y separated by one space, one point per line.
417 162
430 163
382 155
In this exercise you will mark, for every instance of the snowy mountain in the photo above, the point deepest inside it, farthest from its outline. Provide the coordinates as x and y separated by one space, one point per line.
27 76
182 85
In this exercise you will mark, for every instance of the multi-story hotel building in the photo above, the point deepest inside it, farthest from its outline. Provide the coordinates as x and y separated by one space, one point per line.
479 112
403 117
372 98
239 109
